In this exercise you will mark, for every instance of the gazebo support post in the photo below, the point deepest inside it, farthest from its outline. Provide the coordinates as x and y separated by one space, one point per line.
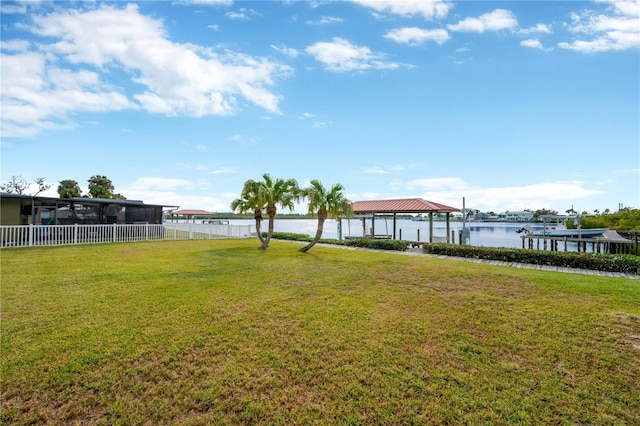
394 226
373 225
430 227
448 228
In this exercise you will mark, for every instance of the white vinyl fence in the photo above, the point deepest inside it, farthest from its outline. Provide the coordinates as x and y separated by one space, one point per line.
57 235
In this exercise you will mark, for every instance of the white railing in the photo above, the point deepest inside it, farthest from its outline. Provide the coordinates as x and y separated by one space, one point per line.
57 235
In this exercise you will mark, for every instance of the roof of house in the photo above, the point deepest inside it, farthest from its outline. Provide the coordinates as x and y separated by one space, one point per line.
402 205
80 200
187 212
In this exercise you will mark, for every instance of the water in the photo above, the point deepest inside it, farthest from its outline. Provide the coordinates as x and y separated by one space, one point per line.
488 234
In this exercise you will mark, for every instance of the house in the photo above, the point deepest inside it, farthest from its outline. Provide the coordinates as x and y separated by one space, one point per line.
516 216
19 209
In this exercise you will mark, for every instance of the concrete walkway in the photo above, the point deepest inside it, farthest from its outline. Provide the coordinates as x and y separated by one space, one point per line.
532 266
418 252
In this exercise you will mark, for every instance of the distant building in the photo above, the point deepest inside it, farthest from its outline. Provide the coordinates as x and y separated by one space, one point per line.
485 217
516 216
18 209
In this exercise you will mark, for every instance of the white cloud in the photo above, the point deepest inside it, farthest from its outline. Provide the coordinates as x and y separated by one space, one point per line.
536 29
237 15
13 8
15 45
375 171
384 170
306 115
177 79
326 20
439 184
285 50
533 43
450 191
159 184
628 8
339 56
36 97
429 9
244 140
415 36
175 192
499 19
598 32
206 2
223 171
627 171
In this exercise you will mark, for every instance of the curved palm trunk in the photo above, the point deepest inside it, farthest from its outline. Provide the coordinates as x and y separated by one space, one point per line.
271 211
322 216
257 215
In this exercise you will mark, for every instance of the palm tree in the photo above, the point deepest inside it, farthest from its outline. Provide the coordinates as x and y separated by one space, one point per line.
69 188
250 200
332 203
100 187
277 192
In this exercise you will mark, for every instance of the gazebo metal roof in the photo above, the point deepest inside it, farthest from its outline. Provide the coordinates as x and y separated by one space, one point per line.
401 205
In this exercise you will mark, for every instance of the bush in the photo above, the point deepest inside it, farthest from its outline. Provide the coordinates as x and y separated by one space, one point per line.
289 236
628 264
396 245
625 263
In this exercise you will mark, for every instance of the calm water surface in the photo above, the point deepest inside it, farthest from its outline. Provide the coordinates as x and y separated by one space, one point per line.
488 234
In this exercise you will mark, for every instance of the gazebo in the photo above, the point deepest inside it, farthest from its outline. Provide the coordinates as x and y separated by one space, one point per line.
404 206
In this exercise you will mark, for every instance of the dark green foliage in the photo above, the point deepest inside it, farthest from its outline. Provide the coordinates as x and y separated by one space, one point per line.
624 220
600 262
290 236
396 245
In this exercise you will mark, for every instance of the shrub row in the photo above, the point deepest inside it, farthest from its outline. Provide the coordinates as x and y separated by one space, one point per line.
625 263
396 245
628 264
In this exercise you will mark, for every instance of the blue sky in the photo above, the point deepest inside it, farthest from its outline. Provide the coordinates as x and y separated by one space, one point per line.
510 104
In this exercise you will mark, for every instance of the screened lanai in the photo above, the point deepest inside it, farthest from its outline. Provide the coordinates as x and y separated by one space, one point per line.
19 209
369 209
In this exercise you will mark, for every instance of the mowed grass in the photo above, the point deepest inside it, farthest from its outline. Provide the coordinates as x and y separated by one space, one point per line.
218 332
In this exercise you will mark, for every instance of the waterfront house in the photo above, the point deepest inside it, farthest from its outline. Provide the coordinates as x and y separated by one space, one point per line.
19 209
516 216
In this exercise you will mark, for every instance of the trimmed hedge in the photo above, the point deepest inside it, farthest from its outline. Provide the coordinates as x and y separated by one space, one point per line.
625 263
395 245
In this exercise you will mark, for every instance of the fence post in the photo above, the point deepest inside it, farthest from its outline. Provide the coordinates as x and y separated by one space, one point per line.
31 231
115 232
146 232
75 233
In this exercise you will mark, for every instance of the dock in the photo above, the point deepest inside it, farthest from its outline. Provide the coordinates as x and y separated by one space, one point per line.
609 242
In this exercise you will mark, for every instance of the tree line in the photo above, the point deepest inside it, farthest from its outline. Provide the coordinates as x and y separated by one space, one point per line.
264 196
99 187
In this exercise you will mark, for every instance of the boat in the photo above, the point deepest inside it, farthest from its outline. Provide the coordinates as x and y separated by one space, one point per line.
561 231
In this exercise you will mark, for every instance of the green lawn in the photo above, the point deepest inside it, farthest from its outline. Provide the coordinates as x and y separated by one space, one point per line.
218 332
